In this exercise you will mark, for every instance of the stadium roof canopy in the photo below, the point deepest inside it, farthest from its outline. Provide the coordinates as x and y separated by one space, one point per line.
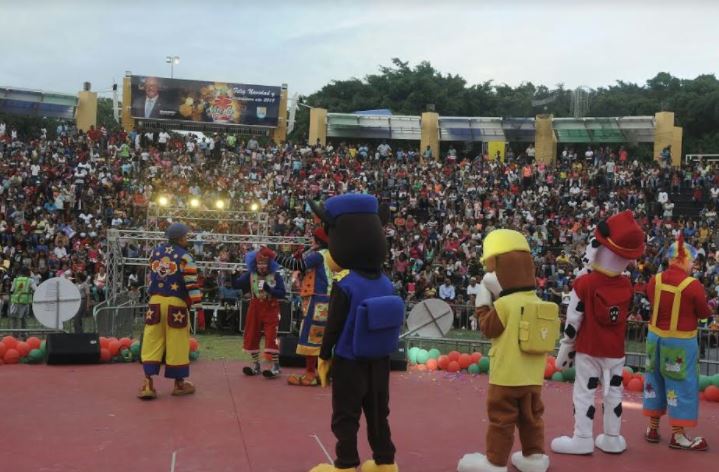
19 101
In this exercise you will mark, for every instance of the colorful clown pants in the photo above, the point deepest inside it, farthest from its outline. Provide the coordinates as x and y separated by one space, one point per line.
167 333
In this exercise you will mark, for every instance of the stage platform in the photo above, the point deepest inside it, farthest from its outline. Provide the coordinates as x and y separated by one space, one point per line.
87 419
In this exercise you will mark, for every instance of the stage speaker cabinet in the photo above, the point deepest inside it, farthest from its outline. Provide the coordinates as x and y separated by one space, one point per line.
81 348
398 360
288 352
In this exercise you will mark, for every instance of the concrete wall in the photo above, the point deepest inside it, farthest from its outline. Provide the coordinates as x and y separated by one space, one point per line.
318 126
545 141
86 114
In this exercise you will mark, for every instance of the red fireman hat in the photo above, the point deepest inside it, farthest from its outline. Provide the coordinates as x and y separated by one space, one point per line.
622 235
321 235
265 254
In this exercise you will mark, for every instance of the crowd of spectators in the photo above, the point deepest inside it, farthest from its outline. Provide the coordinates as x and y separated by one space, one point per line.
60 191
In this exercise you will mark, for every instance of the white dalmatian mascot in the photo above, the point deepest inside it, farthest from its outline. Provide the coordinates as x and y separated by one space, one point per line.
593 338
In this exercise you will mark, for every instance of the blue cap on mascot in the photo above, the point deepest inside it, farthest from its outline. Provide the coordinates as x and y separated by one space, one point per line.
351 204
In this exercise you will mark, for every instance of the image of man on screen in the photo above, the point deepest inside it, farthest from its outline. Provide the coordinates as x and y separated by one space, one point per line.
149 104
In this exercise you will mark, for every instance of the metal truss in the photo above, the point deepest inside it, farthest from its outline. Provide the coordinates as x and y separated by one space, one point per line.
157 213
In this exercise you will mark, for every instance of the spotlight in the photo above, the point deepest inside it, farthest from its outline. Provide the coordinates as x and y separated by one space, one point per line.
194 202
163 201
220 204
254 207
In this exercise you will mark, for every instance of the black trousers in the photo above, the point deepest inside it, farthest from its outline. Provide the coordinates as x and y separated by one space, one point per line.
361 386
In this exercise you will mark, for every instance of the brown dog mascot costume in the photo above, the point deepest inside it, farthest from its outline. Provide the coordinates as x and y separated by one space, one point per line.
523 328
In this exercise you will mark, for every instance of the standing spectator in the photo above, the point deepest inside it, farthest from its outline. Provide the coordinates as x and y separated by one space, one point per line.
20 300
81 281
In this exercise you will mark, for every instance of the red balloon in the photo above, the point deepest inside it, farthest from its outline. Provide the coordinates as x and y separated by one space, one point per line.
635 385
552 360
125 343
33 342
10 342
104 342
194 345
465 360
476 356
432 365
12 356
3 349
453 366
454 356
712 393
105 355
443 362
626 377
114 347
638 375
23 348
549 370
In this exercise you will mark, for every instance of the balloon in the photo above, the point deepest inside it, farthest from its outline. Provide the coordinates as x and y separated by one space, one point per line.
126 355
473 369
23 348
569 374
626 377
552 360
194 355
104 342
12 356
43 346
549 371
443 362
412 355
3 349
117 358
434 353
465 360
135 349
432 365
628 369
476 356
711 393
454 356
194 345
704 381
453 366
635 385
114 347
715 379
33 342
484 365
10 342
105 355
422 356
557 376
125 343
36 356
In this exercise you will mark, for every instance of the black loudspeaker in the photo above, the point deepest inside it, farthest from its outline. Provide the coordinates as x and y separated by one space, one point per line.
81 348
398 360
288 352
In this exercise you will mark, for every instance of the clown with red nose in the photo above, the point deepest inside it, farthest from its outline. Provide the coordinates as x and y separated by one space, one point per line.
264 283
594 334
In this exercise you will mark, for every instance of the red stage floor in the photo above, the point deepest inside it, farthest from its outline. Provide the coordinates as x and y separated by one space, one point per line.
86 419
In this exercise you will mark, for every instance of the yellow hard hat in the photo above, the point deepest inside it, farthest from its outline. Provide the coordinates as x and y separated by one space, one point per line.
502 241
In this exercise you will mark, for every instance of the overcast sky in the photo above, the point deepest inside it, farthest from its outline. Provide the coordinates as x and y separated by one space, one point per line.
55 45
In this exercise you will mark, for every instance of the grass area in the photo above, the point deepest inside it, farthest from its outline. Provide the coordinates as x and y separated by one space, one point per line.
221 346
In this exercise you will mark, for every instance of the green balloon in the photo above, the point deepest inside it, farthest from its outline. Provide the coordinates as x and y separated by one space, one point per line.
36 356
126 355
434 353
569 374
704 382
484 365
422 356
628 369
557 377
117 359
194 355
412 354
43 347
715 380
473 369
135 349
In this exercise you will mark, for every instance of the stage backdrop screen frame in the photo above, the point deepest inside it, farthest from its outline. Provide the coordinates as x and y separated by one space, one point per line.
159 98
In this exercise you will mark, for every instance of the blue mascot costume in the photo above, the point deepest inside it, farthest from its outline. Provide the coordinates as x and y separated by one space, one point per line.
363 325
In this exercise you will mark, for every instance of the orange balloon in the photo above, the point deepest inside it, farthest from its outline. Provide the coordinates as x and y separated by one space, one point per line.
443 362
453 366
33 342
3 349
711 393
626 377
476 356
12 356
125 343
105 355
465 360
23 348
552 360
635 385
104 342
549 370
10 342
194 345
454 356
432 365
114 347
